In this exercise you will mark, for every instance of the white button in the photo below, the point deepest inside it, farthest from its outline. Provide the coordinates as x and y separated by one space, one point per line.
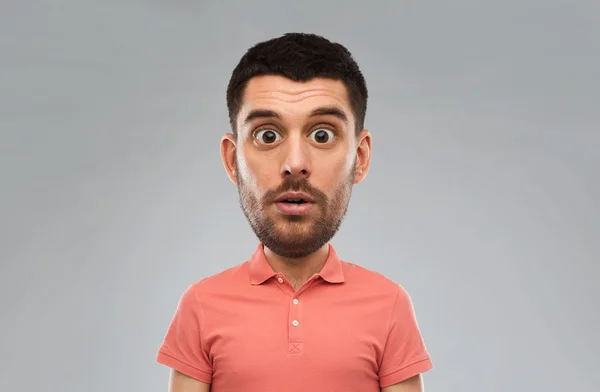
295 301
280 280
295 323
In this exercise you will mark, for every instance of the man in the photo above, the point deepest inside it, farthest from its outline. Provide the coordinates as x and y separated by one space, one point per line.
294 317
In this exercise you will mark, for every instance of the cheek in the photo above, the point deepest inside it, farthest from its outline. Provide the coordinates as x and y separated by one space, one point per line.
259 174
332 174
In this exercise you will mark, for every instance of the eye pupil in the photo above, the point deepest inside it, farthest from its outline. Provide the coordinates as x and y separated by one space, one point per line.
269 137
321 136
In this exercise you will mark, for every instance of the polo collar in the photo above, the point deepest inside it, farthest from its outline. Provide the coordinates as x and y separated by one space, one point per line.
260 269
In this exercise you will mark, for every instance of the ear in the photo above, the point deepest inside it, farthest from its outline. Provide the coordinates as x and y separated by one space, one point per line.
363 156
228 146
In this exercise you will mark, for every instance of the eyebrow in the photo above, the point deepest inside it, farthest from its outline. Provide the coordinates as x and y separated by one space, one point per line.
322 111
261 113
330 111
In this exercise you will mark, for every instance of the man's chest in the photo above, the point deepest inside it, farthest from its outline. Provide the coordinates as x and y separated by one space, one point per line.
297 341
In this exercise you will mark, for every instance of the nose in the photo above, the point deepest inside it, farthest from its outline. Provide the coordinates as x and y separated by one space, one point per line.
296 161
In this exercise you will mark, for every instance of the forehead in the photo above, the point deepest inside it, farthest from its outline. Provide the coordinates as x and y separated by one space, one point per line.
288 97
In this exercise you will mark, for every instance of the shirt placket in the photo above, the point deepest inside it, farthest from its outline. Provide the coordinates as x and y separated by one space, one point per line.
295 319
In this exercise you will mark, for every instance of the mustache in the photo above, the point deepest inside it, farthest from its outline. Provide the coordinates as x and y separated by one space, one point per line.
295 184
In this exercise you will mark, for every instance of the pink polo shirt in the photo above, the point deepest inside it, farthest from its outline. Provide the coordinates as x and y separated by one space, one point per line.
246 329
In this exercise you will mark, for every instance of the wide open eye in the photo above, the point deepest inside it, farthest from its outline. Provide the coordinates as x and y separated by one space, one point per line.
267 136
322 135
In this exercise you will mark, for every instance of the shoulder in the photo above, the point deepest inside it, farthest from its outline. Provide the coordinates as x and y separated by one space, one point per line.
385 294
225 281
372 281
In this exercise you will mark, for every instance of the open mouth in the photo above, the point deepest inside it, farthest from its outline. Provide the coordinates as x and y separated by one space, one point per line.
294 204
294 201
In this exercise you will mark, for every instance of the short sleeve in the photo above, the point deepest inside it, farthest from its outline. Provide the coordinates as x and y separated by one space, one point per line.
182 348
404 354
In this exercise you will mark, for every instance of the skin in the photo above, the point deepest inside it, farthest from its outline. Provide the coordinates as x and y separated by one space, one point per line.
331 168
413 384
326 166
179 382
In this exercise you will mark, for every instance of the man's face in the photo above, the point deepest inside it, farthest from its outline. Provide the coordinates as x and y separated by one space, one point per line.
295 160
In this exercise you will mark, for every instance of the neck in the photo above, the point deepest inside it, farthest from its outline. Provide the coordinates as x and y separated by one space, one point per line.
298 270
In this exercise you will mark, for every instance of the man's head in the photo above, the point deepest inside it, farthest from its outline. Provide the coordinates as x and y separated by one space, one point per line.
297 105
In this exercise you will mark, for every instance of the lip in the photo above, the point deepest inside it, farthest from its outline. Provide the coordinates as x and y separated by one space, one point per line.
294 209
295 195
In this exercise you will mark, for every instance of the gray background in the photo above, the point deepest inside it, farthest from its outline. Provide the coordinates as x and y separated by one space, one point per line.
482 200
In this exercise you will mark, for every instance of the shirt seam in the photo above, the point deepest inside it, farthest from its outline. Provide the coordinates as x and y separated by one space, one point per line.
387 337
200 327
165 353
427 358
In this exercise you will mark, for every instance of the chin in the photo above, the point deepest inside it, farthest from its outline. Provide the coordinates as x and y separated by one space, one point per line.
297 223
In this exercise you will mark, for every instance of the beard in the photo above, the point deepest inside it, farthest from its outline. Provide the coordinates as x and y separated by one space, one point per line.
296 236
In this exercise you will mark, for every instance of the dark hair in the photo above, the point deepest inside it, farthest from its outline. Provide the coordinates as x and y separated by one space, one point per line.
300 57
